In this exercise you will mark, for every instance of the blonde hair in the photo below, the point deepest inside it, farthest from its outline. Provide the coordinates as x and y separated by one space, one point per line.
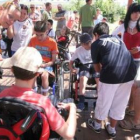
8 4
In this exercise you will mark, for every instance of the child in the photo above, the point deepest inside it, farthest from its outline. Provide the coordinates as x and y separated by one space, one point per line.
26 66
47 48
63 38
117 71
83 53
51 32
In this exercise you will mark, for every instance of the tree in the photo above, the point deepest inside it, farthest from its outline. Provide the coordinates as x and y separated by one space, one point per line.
76 4
110 9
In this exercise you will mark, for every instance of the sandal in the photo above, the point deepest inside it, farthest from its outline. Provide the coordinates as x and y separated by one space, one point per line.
129 124
130 112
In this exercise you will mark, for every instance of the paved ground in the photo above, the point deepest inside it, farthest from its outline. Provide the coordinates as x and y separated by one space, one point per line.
82 133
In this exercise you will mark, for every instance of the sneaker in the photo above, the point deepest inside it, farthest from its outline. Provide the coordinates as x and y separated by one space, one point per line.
110 133
137 137
80 107
91 125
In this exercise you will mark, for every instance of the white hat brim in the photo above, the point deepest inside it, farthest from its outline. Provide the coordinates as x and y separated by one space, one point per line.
6 63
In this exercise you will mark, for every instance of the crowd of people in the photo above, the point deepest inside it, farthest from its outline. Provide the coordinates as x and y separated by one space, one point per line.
31 42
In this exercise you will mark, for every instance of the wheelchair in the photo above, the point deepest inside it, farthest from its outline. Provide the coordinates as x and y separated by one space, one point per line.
74 85
56 82
20 120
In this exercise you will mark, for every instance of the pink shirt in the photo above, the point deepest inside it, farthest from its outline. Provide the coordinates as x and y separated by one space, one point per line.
55 120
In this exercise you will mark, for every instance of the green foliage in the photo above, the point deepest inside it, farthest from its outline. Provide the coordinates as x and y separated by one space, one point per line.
113 11
76 4
137 1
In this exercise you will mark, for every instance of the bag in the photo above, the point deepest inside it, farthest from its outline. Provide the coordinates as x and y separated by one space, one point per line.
20 120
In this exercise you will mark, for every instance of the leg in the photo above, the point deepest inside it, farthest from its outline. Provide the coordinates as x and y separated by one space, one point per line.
105 98
137 106
45 82
82 85
82 88
131 100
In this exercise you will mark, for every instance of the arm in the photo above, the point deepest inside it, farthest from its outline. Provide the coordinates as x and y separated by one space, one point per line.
71 67
97 67
10 32
53 60
67 131
56 18
1 57
80 20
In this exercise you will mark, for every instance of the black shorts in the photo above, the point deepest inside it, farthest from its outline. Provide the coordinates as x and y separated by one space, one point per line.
86 70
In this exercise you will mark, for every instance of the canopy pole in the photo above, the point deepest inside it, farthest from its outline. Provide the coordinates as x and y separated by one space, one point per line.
129 3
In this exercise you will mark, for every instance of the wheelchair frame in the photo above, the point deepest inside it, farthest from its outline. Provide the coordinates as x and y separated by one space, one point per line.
73 89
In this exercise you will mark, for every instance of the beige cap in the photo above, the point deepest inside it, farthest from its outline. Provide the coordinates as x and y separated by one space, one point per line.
27 58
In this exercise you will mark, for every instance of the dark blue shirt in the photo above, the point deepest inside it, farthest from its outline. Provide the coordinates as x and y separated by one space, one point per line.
117 63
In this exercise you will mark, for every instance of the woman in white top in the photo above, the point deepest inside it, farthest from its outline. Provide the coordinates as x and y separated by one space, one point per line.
130 34
21 31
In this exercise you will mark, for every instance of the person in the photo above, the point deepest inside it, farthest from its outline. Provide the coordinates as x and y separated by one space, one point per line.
47 13
117 72
48 49
51 32
86 22
61 19
63 39
21 31
26 65
0 45
130 33
33 15
8 14
99 16
83 53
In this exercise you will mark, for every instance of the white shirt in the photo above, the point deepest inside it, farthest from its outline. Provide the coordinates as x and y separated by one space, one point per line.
22 34
119 30
98 20
51 33
83 55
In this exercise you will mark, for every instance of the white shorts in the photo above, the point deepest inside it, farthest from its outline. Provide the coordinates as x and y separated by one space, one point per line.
112 100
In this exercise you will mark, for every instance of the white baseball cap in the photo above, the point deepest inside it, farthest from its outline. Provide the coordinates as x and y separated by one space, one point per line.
27 58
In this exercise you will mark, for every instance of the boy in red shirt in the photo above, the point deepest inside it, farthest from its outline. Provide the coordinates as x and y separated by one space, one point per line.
48 50
26 66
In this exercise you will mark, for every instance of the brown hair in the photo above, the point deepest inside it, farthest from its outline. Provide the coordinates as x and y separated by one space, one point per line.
23 74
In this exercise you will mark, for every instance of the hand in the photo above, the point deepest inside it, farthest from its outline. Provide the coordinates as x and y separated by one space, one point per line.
44 65
74 70
66 106
134 50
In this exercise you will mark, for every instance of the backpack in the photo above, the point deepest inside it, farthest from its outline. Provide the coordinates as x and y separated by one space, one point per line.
20 120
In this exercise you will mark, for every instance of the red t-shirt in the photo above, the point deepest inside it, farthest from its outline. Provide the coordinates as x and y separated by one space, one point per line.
55 120
132 41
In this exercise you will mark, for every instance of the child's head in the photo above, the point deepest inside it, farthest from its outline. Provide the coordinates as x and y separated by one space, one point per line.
40 29
25 63
86 41
50 24
65 30
100 29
